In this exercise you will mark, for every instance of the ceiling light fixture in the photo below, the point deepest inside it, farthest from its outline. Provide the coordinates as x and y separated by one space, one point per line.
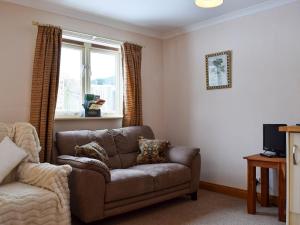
208 3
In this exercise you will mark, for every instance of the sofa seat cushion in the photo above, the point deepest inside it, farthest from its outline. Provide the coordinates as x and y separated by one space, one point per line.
21 202
126 183
165 175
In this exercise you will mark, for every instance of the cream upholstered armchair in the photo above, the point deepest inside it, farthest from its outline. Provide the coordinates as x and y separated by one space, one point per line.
34 192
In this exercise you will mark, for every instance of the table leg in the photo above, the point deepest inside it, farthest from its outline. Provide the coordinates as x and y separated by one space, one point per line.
264 187
251 201
281 192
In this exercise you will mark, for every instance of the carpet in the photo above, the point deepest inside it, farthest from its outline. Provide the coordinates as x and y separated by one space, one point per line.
210 209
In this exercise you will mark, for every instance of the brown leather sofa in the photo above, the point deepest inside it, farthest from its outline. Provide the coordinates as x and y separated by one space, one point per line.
96 194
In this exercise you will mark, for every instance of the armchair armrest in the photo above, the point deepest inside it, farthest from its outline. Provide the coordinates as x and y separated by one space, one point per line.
51 177
183 155
85 163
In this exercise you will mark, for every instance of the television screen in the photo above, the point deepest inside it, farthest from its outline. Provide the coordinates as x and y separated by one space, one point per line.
273 140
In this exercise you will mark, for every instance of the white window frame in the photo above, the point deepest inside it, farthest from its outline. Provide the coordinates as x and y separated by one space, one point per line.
87 47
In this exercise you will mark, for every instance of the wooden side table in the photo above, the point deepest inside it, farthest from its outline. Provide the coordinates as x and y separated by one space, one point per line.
265 164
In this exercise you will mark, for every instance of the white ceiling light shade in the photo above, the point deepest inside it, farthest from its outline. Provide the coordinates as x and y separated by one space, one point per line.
208 3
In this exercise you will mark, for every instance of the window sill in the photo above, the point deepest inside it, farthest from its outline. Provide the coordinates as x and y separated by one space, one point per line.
88 118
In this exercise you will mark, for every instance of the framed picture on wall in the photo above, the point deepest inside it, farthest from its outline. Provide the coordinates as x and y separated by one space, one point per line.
218 70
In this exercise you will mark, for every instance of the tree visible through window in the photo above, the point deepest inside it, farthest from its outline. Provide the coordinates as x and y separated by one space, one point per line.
88 68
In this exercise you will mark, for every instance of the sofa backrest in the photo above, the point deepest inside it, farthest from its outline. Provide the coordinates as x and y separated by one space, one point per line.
126 141
120 144
67 140
7 130
25 136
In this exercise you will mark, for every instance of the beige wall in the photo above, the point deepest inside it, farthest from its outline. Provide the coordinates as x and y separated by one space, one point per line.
17 40
227 124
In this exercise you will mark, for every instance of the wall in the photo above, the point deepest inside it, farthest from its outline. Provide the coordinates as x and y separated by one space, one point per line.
227 124
17 42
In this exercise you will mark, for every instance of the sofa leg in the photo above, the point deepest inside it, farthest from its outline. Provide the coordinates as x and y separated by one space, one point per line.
194 196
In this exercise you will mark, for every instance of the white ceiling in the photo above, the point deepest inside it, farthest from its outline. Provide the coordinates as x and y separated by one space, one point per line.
162 17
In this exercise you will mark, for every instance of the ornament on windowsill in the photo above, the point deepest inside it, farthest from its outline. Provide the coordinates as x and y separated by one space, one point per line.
92 105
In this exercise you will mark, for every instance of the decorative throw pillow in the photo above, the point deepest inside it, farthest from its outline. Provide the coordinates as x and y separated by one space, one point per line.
152 151
10 156
92 150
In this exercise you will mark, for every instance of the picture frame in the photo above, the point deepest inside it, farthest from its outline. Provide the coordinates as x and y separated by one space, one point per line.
218 70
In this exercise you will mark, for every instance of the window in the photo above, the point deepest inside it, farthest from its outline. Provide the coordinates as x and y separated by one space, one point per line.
89 68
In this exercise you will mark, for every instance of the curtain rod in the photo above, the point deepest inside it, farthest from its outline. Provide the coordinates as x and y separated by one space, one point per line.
35 23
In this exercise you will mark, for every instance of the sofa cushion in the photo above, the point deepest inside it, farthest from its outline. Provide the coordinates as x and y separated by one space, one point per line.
126 140
67 140
10 156
92 150
165 174
126 183
152 151
7 130
21 202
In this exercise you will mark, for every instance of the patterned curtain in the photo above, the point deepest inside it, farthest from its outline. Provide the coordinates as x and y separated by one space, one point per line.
132 107
45 80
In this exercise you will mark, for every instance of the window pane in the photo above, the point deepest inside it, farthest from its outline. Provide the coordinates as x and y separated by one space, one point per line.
104 70
69 98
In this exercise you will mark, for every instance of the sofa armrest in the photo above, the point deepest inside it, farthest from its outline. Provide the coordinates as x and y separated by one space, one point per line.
85 163
51 177
183 155
87 189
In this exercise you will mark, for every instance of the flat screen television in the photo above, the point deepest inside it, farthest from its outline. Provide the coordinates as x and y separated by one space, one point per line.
273 140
